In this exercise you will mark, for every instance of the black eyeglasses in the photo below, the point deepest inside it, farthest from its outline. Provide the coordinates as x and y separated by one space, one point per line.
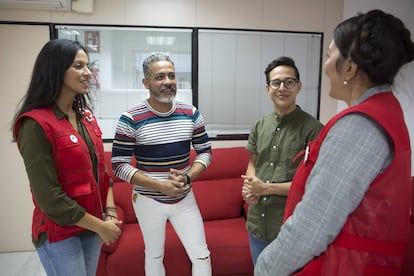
288 83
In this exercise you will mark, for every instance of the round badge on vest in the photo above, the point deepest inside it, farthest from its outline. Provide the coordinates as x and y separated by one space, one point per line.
73 138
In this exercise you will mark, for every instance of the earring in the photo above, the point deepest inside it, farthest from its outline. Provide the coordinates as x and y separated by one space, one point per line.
345 82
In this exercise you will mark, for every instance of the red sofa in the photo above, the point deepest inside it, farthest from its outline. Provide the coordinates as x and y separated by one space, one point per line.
218 194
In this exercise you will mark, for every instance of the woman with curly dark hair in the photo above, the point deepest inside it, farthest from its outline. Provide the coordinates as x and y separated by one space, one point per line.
349 204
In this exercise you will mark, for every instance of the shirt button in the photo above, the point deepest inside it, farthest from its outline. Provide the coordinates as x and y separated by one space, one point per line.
264 198
271 164
262 215
278 128
274 147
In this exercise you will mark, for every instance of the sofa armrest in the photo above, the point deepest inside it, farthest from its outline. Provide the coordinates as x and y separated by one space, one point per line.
123 198
121 217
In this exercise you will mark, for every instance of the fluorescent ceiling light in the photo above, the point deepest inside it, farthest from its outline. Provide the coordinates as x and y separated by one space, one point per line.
160 40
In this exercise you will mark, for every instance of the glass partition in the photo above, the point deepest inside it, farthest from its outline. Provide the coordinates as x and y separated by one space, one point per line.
220 71
231 88
116 55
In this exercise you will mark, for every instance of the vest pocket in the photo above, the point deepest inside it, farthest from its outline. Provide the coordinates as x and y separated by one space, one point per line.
71 157
78 189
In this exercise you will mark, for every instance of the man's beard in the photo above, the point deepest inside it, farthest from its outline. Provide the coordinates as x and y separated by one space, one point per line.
164 99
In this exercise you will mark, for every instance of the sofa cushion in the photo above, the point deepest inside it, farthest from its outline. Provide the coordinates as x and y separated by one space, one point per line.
219 199
228 243
128 259
226 163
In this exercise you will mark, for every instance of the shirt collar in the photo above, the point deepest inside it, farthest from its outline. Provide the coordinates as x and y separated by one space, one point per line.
289 115
58 113
371 92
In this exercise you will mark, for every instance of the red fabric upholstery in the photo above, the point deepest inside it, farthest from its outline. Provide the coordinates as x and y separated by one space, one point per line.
124 190
222 199
218 194
229 246
227 163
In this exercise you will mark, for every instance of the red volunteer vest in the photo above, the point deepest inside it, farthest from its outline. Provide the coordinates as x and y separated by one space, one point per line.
74 169
374 237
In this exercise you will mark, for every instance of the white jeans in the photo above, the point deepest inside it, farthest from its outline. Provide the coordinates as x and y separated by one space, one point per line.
186 219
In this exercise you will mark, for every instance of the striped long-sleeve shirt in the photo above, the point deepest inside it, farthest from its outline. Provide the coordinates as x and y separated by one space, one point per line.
158 141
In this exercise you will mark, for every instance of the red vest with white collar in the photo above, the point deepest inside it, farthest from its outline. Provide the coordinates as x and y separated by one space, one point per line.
374 237
74 169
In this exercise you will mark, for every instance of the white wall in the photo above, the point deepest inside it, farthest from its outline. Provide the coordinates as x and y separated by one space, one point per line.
15 200
21 44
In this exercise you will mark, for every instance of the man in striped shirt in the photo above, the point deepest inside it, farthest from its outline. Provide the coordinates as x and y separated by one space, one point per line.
159 133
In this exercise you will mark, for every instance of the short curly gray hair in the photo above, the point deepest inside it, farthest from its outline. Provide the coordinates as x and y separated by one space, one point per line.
151 59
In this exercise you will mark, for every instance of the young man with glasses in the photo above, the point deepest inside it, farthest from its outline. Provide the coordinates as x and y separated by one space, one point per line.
275 143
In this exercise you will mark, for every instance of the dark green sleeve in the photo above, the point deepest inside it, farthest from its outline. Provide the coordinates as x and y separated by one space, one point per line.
36 151
252 139
313 134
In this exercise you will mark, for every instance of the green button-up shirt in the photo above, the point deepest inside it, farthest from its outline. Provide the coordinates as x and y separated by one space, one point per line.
276 141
